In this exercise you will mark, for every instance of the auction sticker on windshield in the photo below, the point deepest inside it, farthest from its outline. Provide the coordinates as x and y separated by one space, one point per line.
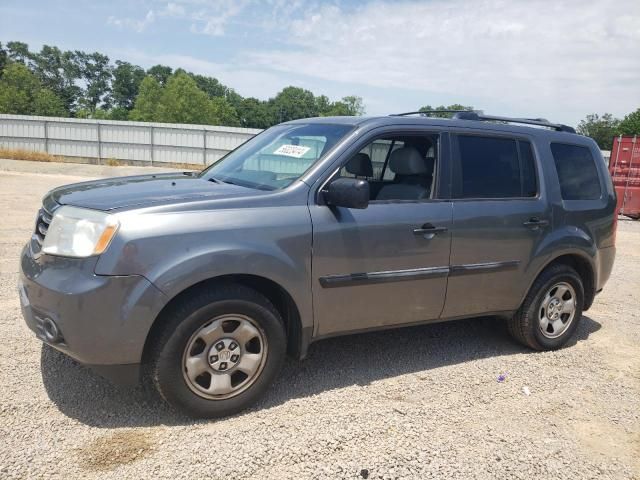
296 151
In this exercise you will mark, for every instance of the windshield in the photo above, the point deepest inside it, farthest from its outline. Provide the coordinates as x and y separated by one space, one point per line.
276 157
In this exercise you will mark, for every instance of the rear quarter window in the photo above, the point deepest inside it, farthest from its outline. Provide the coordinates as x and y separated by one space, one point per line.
577 172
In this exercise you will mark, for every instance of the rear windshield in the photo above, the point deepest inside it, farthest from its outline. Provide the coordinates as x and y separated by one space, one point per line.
278 156
577 172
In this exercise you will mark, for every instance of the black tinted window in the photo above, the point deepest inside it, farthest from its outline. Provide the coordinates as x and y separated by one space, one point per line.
529 179
488 168
576 171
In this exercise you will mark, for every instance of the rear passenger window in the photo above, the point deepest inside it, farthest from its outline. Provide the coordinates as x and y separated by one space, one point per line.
576 171
491 167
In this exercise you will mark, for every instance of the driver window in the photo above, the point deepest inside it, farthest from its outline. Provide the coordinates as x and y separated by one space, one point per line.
396 167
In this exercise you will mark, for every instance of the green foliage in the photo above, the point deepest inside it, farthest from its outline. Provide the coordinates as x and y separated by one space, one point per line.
125 84
223 113
48 104
118 113
182 101
18 52
147 100
455 106
348 106
601 128
96 73
630 124
254 113
209 85
160 73
22 93
59 72
4 58
87 85
293 103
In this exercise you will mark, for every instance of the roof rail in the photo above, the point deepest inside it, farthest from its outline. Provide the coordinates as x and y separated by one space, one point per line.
541 122
479 115
425 113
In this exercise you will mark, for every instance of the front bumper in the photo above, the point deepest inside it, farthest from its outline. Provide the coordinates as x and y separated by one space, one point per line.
102 321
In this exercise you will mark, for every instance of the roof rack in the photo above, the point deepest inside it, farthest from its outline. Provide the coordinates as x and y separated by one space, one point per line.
425 113
541 122
479 115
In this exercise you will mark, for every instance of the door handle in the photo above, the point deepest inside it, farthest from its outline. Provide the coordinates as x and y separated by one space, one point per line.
536 222
428 230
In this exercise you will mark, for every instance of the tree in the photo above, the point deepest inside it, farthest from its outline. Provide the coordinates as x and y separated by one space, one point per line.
96 74
161 73
19 52
183 102
59 72
348 106
4 58
254 113
355 105
125 84
601 129
146 103
21 93
48 104
455 106
210 85
223 113
293 103
18 88
630 124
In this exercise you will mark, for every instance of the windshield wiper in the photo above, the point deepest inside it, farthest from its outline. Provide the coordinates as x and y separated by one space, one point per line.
216 180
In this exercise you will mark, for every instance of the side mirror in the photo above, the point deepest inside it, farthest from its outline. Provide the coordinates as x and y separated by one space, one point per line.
348 193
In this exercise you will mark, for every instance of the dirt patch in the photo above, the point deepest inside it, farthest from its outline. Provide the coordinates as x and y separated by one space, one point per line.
609 441
111 451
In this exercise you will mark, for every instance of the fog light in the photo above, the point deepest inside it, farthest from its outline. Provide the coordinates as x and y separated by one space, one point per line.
51 331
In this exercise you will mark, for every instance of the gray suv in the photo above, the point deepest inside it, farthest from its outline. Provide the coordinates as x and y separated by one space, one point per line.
201 283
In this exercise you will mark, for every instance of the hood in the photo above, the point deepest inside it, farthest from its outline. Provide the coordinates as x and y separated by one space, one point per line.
145 190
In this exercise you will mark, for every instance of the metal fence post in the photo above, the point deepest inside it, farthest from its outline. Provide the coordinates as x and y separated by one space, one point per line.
46 136
151 143
204 148
99 145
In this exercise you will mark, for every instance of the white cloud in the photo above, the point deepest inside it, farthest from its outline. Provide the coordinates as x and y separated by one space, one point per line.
537 56
173 10
208 17
133 24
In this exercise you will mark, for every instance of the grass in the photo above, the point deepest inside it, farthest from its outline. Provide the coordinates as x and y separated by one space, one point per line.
35 156
20 154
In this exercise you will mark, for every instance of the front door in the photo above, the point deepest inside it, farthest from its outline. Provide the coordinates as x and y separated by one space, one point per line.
385 265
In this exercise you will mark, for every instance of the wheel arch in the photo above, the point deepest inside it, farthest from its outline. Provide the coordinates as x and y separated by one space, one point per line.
297 336
582 264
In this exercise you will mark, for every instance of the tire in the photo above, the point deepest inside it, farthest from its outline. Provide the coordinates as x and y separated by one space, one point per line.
207 317
535 324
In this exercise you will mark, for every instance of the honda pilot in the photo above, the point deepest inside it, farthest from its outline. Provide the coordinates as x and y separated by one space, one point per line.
201 283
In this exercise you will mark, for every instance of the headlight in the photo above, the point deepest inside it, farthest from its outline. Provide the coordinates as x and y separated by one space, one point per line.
79 232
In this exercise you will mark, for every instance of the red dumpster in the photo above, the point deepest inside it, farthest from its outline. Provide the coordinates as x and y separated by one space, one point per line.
624 165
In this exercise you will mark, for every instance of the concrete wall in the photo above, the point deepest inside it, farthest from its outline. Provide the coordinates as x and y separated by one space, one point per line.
155 143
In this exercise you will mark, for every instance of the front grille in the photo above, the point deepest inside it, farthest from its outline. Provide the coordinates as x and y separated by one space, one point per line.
42 225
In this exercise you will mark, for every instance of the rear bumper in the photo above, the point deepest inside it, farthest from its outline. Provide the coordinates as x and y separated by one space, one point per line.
101 321
606 257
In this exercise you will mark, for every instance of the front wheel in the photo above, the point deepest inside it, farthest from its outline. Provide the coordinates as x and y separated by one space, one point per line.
551 311
218 350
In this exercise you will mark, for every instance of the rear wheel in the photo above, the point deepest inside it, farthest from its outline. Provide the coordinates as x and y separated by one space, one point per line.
551 311
219 349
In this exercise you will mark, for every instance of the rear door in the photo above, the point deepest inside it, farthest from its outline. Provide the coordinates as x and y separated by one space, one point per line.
500 216
385 265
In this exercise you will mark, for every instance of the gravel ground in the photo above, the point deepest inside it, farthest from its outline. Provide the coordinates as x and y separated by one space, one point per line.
421 402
